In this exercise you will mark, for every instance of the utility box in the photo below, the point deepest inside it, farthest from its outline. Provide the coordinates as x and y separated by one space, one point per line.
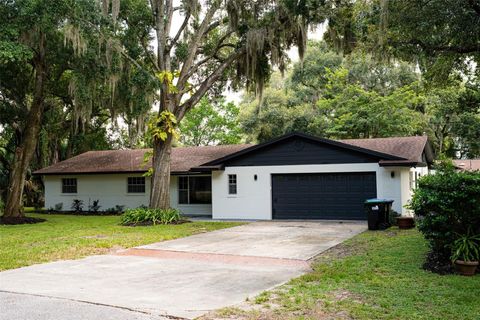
378 213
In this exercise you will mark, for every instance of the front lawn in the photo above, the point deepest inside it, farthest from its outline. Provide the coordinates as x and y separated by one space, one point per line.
71 237
376 275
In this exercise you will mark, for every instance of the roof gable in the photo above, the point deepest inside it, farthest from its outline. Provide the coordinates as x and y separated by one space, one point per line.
298 148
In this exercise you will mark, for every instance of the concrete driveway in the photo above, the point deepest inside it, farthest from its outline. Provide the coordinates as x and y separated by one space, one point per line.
182 278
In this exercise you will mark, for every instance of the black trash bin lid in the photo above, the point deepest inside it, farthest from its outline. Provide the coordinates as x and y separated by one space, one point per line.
377 201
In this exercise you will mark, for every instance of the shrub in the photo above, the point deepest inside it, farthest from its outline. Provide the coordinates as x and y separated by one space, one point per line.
94 207
446 204
77 205
58 206
2 207
144 216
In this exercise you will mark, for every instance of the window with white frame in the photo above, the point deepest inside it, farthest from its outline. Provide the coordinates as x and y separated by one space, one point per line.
136 184
232 184
194 190
69 185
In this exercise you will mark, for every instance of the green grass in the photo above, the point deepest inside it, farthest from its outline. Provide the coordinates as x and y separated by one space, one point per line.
71 237
376 275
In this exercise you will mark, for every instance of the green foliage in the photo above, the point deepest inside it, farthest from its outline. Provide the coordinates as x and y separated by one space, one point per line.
94 207
447 204
351 111
358 96
142 216
162 125
77 205
443 45
466 247
211 122
335 97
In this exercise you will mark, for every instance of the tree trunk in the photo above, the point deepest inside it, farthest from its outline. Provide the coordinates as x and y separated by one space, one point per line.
24 152
160 191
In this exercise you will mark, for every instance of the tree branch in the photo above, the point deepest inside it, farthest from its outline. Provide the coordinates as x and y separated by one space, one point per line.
194 44
220 45
179 32
207 83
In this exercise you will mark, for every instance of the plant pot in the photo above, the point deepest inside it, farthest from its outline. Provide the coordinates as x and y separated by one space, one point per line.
466 268
405 222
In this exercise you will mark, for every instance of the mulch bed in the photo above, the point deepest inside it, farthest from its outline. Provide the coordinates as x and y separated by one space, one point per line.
20 220
438 264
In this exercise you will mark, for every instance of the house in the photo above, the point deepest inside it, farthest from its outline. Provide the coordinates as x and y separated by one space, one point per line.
296 176
467 164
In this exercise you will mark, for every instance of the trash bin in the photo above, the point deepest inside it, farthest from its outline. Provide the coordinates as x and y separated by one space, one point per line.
378 213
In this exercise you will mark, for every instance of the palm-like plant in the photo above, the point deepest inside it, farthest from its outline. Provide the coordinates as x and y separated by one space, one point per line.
466 247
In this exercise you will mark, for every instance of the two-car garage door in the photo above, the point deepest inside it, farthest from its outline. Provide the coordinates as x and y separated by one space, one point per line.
322 195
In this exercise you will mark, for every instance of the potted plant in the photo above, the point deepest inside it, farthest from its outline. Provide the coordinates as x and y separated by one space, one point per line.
466 253
404 222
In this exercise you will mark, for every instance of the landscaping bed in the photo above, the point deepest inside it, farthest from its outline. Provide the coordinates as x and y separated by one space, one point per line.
70 237
375 275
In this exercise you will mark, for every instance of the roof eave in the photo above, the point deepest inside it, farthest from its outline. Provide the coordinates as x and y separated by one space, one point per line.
205 168
409 164
63 173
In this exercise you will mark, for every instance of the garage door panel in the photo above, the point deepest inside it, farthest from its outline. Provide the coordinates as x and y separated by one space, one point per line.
322 195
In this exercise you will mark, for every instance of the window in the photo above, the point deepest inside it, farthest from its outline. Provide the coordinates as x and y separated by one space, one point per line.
69 185
194 190
232 184
136 185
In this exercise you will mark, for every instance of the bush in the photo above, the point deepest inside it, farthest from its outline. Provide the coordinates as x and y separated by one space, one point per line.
77 205
95 206
446 204
146 216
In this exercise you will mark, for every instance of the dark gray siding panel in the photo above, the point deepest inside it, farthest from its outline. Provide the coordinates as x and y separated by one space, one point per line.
300 151
322 195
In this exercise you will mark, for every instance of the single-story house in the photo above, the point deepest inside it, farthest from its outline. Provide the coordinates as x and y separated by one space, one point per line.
296 176
467 164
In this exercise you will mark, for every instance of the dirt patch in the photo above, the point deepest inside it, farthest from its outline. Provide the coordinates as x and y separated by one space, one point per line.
20 220
338 252
150 223
97 236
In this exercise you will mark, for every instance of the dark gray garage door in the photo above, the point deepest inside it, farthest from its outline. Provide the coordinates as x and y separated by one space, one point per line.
322 195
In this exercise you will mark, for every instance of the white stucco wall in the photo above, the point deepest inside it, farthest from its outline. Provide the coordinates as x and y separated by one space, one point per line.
111 190
253 198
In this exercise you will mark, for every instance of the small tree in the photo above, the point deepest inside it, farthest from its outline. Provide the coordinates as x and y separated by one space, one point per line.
447 204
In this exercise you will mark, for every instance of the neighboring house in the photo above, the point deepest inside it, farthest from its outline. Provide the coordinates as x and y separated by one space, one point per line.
296 176
467 164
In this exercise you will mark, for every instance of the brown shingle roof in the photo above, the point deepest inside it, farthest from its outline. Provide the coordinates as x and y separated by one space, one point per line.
131 160
410 148
186 158
467 164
